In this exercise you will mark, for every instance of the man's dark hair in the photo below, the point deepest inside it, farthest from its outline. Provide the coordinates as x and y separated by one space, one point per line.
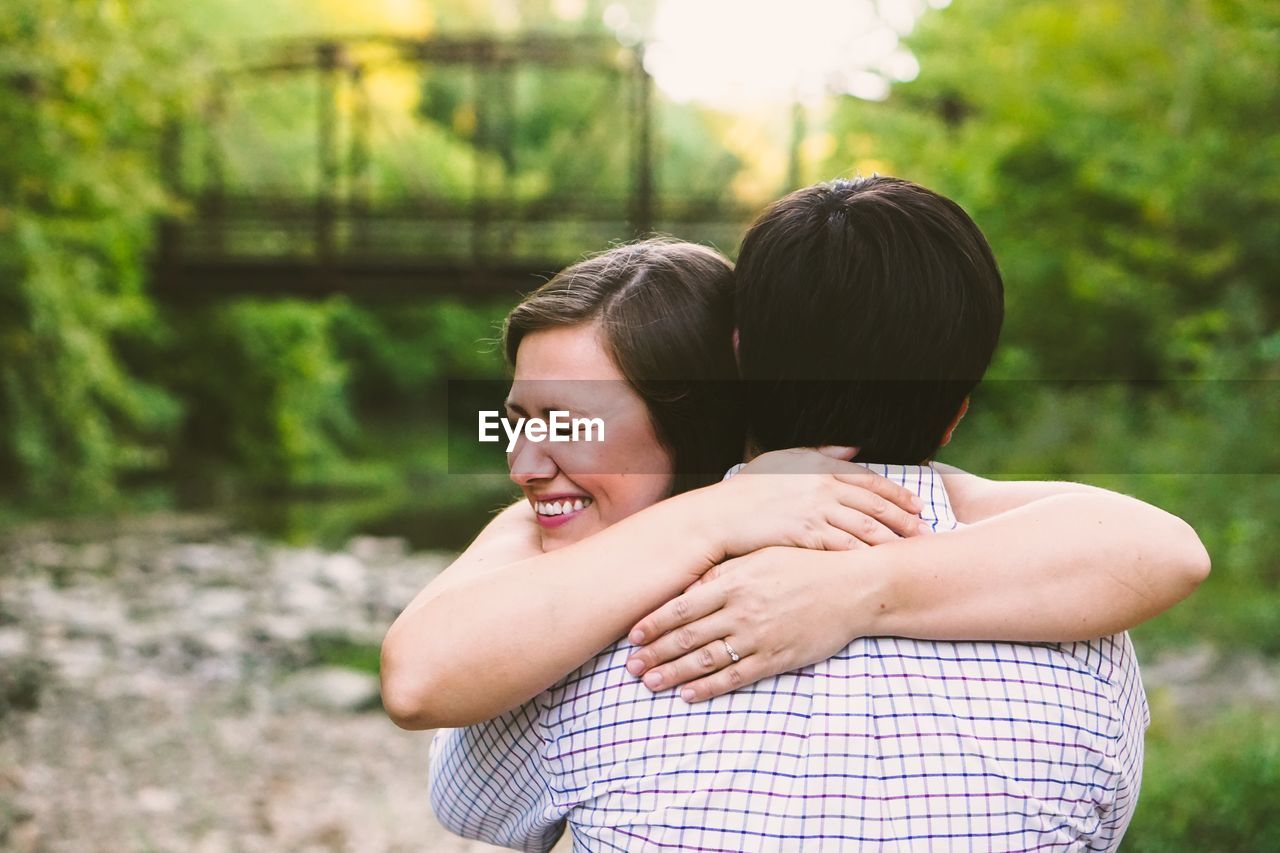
867 311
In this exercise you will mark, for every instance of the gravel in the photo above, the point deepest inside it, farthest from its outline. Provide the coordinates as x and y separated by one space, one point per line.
161 690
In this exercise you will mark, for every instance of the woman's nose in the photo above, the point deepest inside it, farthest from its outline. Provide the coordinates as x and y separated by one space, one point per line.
528 462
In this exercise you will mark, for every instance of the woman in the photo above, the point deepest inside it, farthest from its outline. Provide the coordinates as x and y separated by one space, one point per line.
642 334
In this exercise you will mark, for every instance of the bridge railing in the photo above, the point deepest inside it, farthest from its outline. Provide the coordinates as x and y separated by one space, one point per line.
281 245
341 235
478 232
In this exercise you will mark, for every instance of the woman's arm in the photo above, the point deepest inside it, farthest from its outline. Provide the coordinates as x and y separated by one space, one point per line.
1076 564
975 498
511 536
480 641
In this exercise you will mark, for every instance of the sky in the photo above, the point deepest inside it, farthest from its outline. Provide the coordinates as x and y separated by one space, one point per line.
741 54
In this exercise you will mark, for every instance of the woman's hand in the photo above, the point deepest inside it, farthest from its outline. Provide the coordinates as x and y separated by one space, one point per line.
775 615
810 499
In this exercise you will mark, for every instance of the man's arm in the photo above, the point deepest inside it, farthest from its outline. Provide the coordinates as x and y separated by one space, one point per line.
487 783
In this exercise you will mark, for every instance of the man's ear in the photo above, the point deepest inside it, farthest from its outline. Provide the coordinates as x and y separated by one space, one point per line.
955 422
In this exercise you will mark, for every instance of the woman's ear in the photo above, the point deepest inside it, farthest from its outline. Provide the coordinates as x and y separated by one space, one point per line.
955 422
737 363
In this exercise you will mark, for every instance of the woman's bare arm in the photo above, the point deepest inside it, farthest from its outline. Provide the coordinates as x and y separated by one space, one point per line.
975 498
1044 562
460 654
511 536
1073 566
491 633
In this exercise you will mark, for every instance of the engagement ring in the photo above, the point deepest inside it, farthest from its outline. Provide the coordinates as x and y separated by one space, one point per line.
733 656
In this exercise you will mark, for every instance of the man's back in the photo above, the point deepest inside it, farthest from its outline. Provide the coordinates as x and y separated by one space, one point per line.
894 743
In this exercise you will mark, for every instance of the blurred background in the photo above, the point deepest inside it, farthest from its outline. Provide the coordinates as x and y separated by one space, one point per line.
243 245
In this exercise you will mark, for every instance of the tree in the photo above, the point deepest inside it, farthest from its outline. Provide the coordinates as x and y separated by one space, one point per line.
1121 158
84 89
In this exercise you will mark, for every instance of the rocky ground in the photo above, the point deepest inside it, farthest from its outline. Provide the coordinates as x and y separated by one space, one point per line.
169 685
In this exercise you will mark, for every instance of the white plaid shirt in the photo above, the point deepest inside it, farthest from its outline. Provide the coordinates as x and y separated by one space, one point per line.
892 744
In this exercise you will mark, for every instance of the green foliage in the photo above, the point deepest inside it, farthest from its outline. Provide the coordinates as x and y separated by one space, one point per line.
1123 170
402 355
1192 448
1210 786
1120 156
266 390
340 650
80 94
93 382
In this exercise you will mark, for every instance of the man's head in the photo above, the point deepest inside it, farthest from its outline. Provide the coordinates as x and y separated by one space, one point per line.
867 310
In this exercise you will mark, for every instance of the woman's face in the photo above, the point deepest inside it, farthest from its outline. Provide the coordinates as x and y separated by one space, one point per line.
579 487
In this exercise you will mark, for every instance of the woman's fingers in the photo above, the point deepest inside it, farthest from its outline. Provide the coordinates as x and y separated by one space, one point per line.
666 622
882 505
861 527
694 665
900 496
708 576
679 642
736 675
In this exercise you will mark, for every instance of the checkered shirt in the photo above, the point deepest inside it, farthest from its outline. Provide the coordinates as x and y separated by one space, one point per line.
892 744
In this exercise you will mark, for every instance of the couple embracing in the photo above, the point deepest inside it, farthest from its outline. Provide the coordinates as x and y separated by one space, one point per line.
847 647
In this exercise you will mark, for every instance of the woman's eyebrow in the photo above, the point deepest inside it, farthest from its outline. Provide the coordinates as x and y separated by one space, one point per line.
516 408
512 406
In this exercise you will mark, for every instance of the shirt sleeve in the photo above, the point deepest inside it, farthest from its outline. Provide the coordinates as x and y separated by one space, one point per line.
487 783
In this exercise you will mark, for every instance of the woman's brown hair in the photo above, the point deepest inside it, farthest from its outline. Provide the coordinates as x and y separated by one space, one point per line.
665 313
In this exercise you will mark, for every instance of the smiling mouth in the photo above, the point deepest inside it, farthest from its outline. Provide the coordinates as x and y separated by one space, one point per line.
564 506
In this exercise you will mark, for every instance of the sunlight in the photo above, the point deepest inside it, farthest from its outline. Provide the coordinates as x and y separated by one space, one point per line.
741 54
397 16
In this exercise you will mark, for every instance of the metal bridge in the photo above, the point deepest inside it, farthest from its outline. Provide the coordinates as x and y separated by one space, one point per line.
430 197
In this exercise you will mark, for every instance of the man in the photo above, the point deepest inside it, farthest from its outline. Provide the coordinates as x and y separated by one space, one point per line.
867 311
